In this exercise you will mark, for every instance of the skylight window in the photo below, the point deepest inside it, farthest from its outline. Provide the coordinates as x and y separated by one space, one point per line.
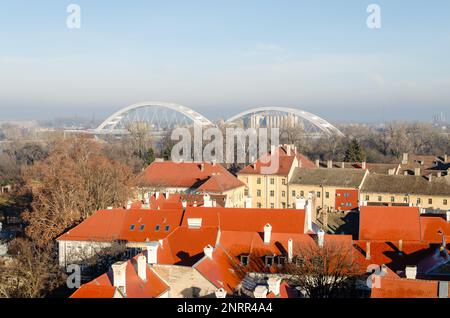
167 228
157 228
142 227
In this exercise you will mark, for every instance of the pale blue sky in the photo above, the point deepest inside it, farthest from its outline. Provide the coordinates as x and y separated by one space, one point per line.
220 57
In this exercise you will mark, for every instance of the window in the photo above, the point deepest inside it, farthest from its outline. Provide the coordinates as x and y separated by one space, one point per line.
300 261
132 227
392 199
258 193
318 194
283 181
142 227
269 260
283 194
281 260
367 198
272 193
418 200
246 192
444 202
380 198
272 205
272 180
244 260
167 228
259 205
302 193
430 201
405 199
283 205
327 195
258 181
293 193
157 227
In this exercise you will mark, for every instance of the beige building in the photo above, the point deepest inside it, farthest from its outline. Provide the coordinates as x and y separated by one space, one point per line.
333 188
413 190
272 190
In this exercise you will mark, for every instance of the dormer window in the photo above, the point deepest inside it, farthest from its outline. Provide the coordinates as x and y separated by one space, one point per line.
281 260
269 260
132 227
142 227
167 228
244 260
157 228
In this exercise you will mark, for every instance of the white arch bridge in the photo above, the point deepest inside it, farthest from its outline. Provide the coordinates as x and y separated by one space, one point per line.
161 117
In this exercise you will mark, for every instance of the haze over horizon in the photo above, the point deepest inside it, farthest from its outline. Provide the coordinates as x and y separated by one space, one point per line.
224 57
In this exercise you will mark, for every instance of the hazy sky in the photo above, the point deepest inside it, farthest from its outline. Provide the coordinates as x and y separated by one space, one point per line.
220 57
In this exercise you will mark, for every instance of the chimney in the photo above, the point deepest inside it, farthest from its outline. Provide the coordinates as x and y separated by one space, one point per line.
405 172
110 208
400 246
445 158
119 275
367 250
260 291
166 194
128 205
342 164
290 251
274 285
364 165
405 159
156 195
272 149
207 202
439 174
194 204
184 204
220 293
317 163
248 203
430 177
330 164
321 237
417 171
142 267
152 252
443 289
288 150
308 215
202 167
411 272
391 172
208 250
267 233
300 203
447 214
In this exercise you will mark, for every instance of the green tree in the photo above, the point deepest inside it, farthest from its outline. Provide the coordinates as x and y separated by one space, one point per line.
354 152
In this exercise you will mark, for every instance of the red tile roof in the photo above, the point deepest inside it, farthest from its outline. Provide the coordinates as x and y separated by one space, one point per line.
185 246
116 224
285 160
188 175
224 269
431 226
250 220
405 288
153 287
389 223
